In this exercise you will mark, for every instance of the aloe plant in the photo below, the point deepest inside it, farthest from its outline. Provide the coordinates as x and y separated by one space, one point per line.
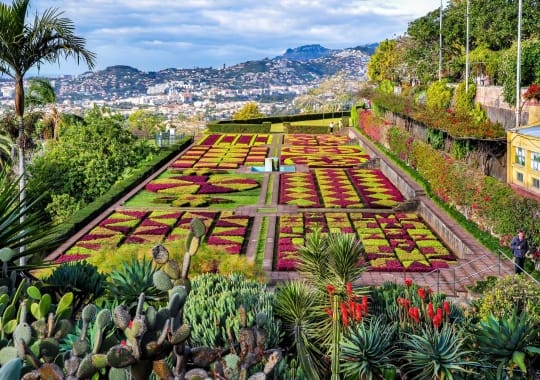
132 279
367 349
509 341
434 354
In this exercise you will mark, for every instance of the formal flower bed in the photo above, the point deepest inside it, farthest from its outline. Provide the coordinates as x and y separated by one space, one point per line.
218 139
323 156
393 242
230 232
298 189
197 190
375 188
315 140
221 157
338 188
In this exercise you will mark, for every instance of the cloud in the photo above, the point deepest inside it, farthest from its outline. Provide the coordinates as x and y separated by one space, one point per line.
155 34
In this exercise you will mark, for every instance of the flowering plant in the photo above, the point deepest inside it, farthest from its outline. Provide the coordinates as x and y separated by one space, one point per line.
533 92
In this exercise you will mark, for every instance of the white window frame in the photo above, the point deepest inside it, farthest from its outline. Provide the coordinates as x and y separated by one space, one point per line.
520 156
535 161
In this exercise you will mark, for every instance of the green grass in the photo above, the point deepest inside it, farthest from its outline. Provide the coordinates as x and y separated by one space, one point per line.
269 190
261 243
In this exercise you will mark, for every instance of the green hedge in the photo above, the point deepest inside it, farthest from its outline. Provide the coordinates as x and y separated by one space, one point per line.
238 127
118 190
309 129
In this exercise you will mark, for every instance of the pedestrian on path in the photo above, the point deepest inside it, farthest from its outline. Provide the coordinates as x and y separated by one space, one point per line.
331 127
519 246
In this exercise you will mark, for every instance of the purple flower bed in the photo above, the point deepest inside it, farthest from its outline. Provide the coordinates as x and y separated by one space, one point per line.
70 258
210 139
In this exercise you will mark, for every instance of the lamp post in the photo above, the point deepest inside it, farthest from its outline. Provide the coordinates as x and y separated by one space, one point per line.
440 43
518 68
467 52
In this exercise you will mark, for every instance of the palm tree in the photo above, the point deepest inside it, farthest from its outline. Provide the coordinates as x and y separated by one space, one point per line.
25 44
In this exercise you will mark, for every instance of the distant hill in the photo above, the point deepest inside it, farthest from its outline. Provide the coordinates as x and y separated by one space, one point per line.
305 53
302 66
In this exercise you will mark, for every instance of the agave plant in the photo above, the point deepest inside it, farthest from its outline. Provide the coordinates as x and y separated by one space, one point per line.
80 278
434 354
132 279
509 341
367 349
21 226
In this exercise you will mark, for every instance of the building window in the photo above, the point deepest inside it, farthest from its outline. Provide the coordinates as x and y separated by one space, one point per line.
535 161
520 156
536 183
519 176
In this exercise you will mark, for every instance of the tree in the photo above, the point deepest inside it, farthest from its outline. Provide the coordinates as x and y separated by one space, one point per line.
88 158
145 123
249 111
383 64
25 44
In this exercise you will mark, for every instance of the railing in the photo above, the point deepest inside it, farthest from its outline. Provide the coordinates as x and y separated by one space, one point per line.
166 138
494 269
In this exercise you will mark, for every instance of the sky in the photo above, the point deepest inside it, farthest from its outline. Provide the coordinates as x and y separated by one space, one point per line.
151 35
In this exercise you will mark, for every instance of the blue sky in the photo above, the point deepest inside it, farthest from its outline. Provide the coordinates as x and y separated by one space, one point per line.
152 35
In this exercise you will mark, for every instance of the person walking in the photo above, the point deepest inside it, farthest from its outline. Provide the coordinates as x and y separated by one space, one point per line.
519 246
331 127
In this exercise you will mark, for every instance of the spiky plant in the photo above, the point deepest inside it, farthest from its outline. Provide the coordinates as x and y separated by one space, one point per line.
298 306
367 349
508 341
434 354
132 279
80 278
330 259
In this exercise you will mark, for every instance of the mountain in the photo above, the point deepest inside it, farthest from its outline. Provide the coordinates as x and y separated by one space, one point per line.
303 66
306 52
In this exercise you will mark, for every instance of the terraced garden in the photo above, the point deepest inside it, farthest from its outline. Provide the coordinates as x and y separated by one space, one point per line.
330 190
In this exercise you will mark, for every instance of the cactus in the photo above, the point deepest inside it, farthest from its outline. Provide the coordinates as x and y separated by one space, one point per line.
119 374
162 281
120 356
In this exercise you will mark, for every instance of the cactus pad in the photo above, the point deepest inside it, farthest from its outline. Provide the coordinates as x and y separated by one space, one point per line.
89 313
121 317
120 357
162 281
160 254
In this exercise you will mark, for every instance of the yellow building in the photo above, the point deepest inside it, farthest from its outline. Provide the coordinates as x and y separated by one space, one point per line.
523 159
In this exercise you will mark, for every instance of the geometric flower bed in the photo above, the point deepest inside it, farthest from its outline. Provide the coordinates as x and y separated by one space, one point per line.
338 188
195 190
219 139
375 188
393 242
315 139
227 157
229 232
142 227
298 189
323 156
400 242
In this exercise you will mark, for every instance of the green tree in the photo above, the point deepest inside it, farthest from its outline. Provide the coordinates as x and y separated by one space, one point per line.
249 111
25 44
145 123
88 158
383 64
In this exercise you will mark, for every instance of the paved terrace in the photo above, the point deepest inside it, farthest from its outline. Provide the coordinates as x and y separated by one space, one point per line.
474 263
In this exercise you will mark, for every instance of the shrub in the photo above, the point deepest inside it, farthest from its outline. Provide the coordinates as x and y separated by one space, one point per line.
438 97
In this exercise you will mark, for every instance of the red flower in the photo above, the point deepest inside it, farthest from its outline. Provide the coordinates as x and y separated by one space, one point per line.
349 288
330 289
431 313
446 306
365 304
344 315
414 313
123 343
358 312
329 311
422 293
408 282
